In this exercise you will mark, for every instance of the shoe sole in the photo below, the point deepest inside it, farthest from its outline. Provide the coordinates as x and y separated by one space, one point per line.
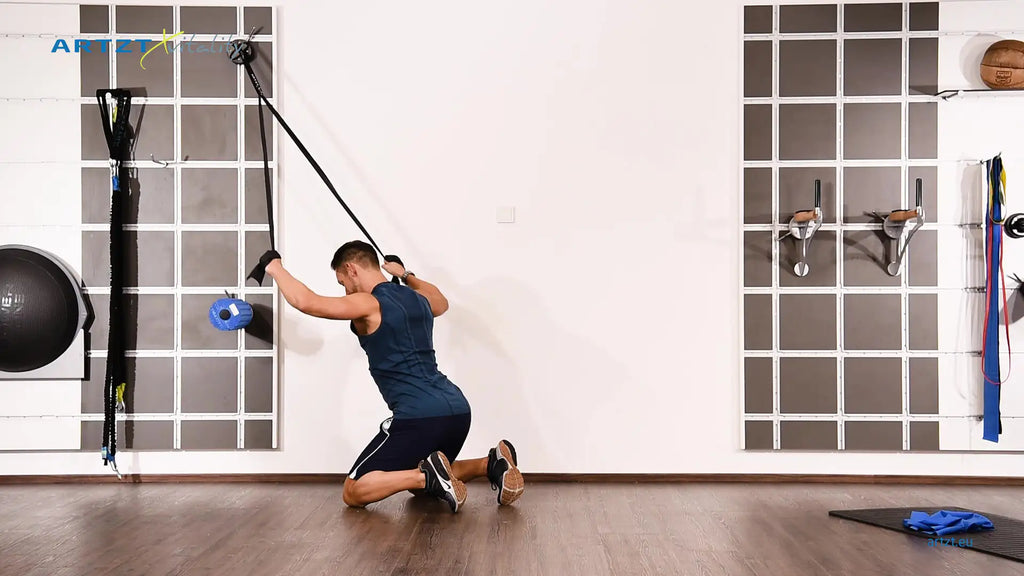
458 487
512 483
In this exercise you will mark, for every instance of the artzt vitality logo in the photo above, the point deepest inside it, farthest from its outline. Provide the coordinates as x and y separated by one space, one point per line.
142 46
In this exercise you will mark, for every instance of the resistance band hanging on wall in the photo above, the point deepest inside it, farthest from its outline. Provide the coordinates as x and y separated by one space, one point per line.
995 178
115 106
242 53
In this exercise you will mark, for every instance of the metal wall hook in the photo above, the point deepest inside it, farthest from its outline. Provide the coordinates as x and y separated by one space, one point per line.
895 225
167 163
802 226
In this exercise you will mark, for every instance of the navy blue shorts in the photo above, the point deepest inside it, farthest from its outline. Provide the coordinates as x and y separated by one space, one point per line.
402 443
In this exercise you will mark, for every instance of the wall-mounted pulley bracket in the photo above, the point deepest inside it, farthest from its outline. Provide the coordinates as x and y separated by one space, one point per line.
802 226
895 225
1014 226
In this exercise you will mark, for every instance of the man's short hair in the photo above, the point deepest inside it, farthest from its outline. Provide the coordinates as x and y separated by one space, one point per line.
355 251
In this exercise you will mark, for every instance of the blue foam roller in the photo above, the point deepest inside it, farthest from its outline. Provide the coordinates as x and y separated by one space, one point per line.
230 314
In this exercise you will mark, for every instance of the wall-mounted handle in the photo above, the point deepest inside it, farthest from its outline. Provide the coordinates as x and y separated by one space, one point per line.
817 193
902 215
895 225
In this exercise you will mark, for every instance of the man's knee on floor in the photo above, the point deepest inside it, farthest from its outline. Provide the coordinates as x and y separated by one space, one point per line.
349 492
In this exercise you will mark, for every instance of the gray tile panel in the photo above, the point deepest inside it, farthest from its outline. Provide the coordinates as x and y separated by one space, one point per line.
881 17
874 436
757 257
253 148
808 19
259 334
197 333
208 73
923 319
873 67
757 318
808 435
95 70
924 386
871 131
923 259
259 17
864 259
259 435
149 258
868 189
209 20
132 435
807 68
209 385
807 386
209 132
872 385
923 76
757 19
924 436
923 130
256 195
757 380
259 385
757 123
144 19
807 131
821 257
148 73
759 435
807 322
150 387
757 68
924 16
796 191
209 196
209 434
93 19
873 322
263 66
149 319
209 259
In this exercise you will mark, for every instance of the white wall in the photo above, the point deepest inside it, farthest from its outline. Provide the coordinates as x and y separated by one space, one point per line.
599 332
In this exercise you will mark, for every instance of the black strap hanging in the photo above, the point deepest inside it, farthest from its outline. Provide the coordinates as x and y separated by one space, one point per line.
241 52
115 108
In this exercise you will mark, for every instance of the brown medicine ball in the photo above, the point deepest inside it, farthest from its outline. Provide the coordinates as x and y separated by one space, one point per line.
1003 65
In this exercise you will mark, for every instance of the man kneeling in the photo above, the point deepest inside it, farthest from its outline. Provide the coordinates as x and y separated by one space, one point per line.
415 449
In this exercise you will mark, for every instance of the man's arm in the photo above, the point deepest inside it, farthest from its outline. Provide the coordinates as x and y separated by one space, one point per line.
438 302
308 302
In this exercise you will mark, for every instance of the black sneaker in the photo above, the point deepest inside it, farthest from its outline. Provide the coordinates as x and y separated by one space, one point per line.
503 473
441 483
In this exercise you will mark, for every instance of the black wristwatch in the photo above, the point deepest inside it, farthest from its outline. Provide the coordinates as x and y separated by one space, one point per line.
405 277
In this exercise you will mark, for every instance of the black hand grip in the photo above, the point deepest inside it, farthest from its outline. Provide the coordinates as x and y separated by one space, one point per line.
918 192
396 259
817 193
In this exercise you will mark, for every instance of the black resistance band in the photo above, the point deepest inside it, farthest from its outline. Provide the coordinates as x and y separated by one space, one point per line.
242 53
115 106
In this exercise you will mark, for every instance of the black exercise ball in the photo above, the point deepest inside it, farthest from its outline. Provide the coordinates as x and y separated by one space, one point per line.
40 310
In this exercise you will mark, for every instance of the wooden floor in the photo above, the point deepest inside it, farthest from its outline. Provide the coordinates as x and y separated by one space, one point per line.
299 529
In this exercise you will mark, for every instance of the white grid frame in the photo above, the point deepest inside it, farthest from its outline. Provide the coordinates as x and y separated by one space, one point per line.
240 417
904 290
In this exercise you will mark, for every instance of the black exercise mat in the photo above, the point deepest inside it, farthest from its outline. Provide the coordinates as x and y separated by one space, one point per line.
1005 540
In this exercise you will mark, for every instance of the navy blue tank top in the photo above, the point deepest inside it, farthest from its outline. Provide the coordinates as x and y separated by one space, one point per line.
402 360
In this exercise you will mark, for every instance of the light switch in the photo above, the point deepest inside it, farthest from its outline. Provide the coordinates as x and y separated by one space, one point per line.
506 214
